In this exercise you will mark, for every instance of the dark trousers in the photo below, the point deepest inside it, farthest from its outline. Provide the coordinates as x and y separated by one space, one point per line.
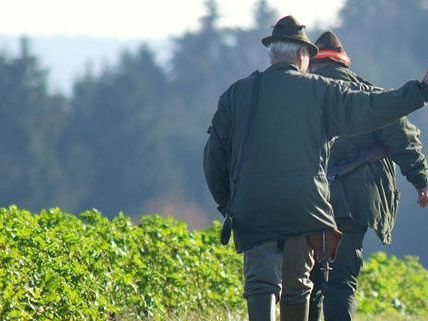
337 297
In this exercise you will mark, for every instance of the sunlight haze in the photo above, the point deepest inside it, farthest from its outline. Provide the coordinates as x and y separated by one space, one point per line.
143 19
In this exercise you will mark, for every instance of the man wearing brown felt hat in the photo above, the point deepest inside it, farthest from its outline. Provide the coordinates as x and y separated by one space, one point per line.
363 187
265 164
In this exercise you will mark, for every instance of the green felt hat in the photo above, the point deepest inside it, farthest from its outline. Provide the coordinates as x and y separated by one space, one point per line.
288 29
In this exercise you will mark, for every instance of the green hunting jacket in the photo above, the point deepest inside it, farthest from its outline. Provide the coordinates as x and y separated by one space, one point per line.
283 190
368 194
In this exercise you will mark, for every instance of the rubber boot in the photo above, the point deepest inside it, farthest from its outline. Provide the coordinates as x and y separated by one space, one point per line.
294 312
261 307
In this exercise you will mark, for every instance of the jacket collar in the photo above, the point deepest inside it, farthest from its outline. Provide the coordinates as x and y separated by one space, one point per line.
282 66
332 67
336 71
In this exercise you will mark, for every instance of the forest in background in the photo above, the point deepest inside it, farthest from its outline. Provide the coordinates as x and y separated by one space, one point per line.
130 138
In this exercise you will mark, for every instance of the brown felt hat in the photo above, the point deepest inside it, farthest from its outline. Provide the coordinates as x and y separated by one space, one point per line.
330 49
288 29
329 41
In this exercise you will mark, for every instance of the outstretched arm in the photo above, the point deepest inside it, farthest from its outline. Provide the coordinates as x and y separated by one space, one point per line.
405 149
425 80
351 112
423 192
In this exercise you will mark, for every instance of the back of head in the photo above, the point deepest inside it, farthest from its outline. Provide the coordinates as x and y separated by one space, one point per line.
286 41
286 51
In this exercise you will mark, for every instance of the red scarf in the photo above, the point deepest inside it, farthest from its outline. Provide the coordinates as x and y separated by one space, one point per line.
338 56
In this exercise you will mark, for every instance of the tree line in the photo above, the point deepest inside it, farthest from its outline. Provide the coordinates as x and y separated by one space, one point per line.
130 138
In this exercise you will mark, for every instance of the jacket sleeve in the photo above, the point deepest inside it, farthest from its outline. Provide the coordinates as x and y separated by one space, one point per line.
405 149
216 157
350 112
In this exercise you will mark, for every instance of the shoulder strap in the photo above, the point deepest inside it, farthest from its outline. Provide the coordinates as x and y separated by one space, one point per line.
241 153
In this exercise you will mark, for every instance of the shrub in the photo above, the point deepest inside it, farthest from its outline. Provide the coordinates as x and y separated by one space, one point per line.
59 266
389 284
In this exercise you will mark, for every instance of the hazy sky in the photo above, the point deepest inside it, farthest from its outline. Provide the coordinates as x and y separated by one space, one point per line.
67 34
143 19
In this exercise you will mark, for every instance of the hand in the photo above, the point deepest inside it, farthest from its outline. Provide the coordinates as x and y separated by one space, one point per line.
423 197
425 80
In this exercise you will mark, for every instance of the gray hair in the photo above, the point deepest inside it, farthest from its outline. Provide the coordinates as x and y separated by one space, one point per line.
285 51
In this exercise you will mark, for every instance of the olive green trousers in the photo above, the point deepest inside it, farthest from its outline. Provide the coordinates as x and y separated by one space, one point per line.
280 268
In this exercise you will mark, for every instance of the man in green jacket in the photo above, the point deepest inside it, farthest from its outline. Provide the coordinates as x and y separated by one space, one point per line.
281 194
362 186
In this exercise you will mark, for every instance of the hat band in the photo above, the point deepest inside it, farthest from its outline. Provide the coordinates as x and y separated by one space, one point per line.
339 56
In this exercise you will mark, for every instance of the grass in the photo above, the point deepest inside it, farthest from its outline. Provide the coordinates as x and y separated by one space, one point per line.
223 315
398 317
